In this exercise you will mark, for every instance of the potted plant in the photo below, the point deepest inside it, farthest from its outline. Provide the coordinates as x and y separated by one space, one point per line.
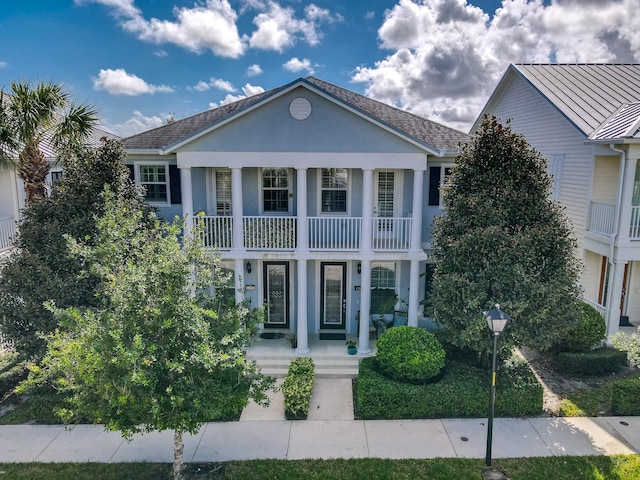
292 338
352 347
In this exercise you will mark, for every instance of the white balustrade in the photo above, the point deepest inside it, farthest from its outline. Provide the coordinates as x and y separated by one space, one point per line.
634 228
7 232
391 233
216 232
601 309
602 218
269 233
334 233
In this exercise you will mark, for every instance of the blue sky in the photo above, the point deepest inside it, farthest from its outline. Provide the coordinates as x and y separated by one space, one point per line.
140 61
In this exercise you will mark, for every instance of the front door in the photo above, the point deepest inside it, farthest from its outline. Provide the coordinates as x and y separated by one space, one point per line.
276 294
333 277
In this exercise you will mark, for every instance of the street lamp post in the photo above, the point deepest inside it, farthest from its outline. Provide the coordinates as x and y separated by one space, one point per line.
496 320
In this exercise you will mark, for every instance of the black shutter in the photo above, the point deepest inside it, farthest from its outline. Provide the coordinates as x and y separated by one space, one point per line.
174 185
434 186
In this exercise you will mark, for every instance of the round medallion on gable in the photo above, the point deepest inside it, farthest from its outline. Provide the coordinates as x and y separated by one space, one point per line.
300 108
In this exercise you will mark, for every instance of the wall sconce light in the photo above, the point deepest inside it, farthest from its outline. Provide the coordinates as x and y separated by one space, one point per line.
248 267
359 268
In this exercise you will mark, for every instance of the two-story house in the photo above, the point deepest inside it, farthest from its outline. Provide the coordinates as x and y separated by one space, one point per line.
585 120
319 200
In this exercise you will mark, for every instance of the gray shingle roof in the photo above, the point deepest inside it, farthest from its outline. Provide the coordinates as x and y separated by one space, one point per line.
430 134
587 94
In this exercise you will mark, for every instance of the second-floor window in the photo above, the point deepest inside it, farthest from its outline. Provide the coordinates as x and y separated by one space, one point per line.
275 190
333 190
437 178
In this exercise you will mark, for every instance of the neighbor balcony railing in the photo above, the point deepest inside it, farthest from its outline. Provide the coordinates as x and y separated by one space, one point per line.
602 218
7 232
323 233
634 228
601 309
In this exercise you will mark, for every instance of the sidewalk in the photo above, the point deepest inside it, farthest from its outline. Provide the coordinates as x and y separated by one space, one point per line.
330 432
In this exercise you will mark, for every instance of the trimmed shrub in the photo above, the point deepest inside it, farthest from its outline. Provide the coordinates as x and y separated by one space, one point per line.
297 388
625 397
595 362
462 391
12 372
409 354
587 333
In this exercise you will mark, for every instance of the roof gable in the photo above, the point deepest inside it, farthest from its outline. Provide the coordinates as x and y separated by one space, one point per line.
428 135
586 94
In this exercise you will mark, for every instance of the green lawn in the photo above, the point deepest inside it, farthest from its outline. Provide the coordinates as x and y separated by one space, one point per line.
619 467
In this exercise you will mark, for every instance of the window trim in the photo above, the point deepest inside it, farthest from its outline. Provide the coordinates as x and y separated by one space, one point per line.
137 175
262 190
320 189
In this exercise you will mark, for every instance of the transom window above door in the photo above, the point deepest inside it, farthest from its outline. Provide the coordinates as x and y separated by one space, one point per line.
333 190
275 190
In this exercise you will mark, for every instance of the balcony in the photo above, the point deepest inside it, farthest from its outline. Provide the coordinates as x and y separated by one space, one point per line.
602 218
323 233
7 232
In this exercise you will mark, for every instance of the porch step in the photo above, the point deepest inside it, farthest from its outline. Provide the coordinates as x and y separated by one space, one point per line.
325 367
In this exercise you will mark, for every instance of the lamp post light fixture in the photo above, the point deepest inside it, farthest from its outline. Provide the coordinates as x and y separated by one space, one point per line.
497 320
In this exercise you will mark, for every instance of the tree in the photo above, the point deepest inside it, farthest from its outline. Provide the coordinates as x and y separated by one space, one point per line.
501 239
31 114
42 268
154 355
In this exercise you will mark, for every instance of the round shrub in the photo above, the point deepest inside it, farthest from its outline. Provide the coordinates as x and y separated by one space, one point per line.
409 354
587 333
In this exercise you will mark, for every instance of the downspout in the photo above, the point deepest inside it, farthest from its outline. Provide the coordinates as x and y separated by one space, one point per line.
616 226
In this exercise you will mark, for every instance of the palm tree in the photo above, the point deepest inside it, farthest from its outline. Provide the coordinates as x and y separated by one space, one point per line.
33 115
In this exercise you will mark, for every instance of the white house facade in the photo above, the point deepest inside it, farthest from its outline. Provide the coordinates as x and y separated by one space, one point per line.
585 120
318 199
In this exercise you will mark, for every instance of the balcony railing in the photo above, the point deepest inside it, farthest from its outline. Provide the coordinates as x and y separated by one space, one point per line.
334 233
391 234
634 228
601 309
602 218
323 233
270 233
7 232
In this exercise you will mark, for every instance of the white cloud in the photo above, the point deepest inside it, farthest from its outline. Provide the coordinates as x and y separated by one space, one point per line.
370 15
254 70
119 82
214 82
247 91
278 27
446 56
3 64
160 53
206 26
296 65
136 124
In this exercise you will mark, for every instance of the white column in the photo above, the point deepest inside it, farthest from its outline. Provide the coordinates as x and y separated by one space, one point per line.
365 307
303 241
616 279
238 278
627 194
414 282
236 205
416 219
187 198
303 340
367 211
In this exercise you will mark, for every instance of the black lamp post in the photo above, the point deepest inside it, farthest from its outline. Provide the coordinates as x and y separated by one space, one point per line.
497 320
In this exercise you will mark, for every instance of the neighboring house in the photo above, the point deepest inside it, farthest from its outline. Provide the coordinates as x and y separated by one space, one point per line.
319 199
12 196
585 120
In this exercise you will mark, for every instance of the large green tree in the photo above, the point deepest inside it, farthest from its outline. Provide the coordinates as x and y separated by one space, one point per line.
42 269
502 239
155 355
31 114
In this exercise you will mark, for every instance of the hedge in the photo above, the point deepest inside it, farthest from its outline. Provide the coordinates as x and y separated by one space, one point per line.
460 391
12 372
625 397
297 388
595 362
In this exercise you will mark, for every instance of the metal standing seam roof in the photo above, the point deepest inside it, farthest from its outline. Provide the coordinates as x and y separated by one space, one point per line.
587 94
426 132
625 123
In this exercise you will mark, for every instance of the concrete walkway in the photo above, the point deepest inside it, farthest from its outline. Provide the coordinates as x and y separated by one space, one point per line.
330 432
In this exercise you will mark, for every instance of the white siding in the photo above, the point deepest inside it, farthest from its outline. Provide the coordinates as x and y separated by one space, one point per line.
605 179
8 194
551 134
